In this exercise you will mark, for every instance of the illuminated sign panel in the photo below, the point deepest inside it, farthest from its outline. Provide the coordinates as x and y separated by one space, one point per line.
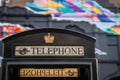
32 72
56 71
49 51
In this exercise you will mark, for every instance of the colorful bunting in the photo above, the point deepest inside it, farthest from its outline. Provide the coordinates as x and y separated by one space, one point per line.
7 29
78 10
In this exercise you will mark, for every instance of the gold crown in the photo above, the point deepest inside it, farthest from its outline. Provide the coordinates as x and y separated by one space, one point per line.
49 38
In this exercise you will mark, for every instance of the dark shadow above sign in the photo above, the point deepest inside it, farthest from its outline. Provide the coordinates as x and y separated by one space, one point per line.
49 42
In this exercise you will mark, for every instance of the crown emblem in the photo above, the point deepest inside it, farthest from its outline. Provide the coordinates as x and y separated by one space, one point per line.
49 38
